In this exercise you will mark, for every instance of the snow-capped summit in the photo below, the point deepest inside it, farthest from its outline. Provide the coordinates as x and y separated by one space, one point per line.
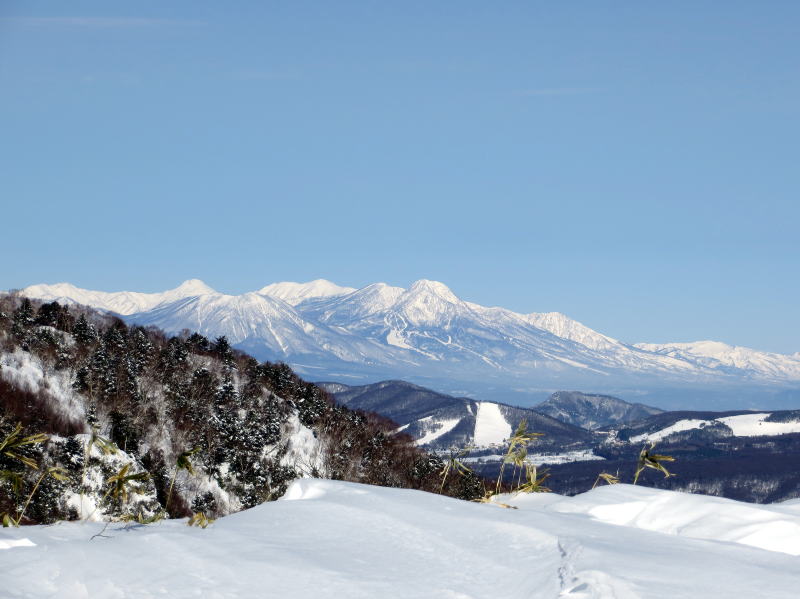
429 302
435 288
119 302
189 288
427 332
294 293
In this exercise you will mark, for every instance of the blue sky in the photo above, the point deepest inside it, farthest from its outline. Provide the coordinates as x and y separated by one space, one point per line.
633 165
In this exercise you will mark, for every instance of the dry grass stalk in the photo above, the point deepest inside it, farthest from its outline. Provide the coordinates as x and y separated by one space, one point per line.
651 460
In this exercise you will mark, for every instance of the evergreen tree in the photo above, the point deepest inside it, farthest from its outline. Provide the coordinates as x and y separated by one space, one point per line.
222 349
83 331
48 314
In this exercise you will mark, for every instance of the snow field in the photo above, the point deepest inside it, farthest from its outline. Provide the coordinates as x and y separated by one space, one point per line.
445 426
490 425
334 539
678 427
754 425
744 425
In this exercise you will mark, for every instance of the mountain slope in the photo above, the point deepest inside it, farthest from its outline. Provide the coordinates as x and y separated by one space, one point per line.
593 411
440 421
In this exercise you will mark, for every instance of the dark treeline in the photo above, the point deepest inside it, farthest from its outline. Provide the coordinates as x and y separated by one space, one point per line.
752 469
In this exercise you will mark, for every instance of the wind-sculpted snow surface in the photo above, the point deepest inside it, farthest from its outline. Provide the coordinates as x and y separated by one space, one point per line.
612 543
427 333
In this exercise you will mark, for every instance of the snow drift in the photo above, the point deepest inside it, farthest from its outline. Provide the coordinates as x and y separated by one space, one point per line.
617 542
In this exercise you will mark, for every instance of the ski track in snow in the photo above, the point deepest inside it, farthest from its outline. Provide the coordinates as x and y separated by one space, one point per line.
445 426
330 539
490 425
680 426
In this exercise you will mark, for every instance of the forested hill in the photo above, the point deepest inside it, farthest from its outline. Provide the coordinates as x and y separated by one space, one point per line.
139 424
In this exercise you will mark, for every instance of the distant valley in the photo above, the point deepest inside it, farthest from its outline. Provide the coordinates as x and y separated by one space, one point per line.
752 456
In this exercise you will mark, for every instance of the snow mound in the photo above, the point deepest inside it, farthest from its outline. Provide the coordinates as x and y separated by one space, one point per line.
697 516
329 539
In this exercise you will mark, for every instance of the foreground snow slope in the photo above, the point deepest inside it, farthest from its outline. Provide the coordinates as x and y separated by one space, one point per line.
334 539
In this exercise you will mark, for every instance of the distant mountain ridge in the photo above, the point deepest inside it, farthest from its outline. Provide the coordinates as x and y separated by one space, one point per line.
439 421
426 333
740 453
593 411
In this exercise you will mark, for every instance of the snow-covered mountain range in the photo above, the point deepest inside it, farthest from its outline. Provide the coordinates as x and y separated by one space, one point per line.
427 334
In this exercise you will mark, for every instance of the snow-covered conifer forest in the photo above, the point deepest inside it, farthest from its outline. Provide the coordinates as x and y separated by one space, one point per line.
181 425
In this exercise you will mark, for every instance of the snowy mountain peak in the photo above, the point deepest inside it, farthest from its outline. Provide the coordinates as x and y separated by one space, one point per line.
192 287
440 290
294 293
429 303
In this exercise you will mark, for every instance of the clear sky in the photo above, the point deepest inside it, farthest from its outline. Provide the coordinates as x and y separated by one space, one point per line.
631 164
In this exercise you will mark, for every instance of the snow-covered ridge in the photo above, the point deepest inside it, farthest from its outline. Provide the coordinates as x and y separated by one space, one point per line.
120 302
330 539
294 293
426 330
715 354
743 425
